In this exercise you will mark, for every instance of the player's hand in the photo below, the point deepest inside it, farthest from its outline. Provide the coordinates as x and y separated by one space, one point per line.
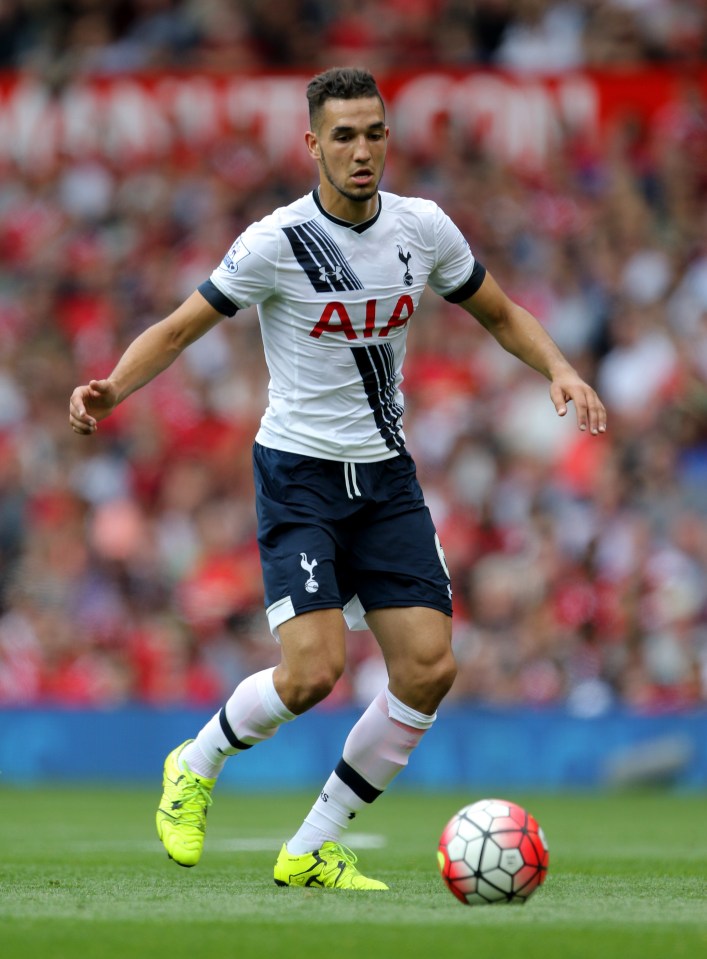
569 387
91 403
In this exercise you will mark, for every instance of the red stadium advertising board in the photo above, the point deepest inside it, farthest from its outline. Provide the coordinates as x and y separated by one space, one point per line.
138 118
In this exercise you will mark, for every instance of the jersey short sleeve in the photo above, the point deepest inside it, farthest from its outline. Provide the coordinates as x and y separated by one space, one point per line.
247 273
455 261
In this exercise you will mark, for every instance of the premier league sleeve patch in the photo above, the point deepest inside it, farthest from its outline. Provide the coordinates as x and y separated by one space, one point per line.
237 253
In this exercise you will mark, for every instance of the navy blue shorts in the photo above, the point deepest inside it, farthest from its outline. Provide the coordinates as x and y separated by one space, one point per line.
343 535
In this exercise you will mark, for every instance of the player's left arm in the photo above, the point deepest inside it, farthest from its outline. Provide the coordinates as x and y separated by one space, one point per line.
521 334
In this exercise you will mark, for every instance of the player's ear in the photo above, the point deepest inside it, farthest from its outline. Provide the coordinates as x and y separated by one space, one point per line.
312 144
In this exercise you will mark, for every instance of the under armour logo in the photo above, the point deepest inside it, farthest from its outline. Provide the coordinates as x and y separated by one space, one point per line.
333 275
311 585
405 259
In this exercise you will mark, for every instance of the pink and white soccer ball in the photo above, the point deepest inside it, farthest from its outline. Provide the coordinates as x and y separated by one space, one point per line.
492 851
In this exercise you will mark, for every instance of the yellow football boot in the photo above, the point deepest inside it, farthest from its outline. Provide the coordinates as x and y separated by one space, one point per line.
181 816
330 867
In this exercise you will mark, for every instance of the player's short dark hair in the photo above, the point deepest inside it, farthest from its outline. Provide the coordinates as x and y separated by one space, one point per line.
339 83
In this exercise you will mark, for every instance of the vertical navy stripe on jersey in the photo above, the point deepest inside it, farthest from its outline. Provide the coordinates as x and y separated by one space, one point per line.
376 364
329 247
321 259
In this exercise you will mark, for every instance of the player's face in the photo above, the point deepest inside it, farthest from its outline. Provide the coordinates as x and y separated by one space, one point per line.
350 146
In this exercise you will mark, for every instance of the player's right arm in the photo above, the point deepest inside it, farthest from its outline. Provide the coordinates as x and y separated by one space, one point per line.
150 353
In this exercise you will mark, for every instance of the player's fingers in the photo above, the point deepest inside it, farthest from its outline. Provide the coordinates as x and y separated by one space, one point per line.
590 411
79 419
82 424
591 414
557 395
83 429
597 414
579 398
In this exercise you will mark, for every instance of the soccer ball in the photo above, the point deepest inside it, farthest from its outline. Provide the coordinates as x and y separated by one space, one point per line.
492 851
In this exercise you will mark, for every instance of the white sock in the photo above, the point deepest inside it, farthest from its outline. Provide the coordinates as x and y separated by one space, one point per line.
253 713
376 750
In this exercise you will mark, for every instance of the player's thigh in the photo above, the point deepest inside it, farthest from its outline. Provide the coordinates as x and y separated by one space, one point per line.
313 656
416 643
411 637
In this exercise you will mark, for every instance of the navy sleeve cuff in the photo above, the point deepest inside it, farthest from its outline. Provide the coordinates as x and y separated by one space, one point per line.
470 286
217 299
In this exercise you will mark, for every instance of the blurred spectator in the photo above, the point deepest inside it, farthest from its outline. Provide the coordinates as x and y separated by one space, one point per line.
543 36
64 37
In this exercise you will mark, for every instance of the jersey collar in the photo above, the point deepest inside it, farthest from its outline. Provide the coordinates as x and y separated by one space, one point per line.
355 227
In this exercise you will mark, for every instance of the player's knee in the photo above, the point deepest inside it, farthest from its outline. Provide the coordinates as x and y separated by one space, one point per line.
424 684
441 675
308 688
322 682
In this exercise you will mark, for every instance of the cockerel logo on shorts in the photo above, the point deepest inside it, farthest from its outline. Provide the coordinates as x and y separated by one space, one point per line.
311 585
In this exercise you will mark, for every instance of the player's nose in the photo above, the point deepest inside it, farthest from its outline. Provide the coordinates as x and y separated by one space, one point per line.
362 148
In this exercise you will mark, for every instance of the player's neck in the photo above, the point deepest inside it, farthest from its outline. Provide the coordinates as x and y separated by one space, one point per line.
342 208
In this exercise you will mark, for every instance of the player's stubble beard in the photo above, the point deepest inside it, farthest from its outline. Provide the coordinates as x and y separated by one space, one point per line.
356 197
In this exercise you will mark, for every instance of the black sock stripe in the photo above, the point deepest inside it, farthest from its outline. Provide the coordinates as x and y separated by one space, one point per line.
229 734
356 782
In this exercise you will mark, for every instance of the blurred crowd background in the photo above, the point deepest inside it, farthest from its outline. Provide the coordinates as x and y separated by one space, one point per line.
128 564
64 36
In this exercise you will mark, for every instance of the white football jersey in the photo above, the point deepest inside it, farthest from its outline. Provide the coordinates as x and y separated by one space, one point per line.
334 301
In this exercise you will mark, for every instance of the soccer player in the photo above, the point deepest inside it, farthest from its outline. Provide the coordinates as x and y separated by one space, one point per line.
342 523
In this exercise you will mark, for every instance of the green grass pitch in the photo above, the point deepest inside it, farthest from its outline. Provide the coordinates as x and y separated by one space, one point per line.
82 876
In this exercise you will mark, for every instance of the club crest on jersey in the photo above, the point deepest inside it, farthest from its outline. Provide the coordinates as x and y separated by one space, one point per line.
237 253
311 585
405 260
